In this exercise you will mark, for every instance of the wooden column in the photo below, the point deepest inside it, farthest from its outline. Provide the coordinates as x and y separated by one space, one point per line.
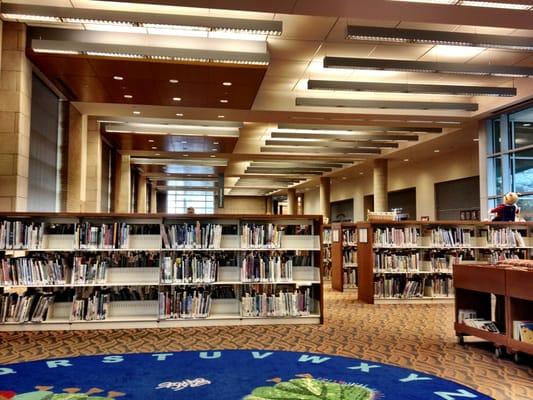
380 185
291 199
153 199
325 205
123 183
141 194
77 161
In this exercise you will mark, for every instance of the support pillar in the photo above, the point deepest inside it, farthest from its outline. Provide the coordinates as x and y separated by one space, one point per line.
268 205
291 198
142 206
77 161
93 201
153 199
15 117
325 205
123 184
381 185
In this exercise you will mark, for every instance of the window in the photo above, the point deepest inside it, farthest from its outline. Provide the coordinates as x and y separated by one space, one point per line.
178 201
510 159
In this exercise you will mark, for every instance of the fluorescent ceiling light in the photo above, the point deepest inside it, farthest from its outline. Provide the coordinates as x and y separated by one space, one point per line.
384 104
334 144
427 66
208 162
353 150
410 88
55 51
149 53
175 130
298 163
474 3
229 27
357 128
438 37
348 136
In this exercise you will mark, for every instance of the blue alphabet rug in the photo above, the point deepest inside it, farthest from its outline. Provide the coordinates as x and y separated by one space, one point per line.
222 375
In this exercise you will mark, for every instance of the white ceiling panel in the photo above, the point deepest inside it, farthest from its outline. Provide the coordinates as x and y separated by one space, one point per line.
302 27
526 62
400 51
457 54
485 30
429 27
277 83
294 50
500 57
286 69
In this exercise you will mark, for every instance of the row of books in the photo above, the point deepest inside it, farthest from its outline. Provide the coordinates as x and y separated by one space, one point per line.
261 236
89 271
349 237
25 308
505 237
523 331
326 236
349 256
102 236
258 267
188 236
384 262
29 271
189 269
350 278
21 235
179 303
92 308
281 304
450 237
399 287
396 236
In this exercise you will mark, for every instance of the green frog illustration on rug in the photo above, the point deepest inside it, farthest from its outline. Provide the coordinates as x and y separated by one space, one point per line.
45 393
308 388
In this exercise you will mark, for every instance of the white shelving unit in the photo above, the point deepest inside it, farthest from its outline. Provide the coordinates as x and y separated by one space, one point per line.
145 313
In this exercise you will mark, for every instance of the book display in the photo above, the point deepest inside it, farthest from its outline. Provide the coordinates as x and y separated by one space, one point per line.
412 261
495 303
105 271
326 252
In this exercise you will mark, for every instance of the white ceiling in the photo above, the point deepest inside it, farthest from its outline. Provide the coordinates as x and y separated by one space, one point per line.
319 31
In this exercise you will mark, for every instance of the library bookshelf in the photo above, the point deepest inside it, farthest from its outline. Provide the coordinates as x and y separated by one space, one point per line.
326 252
501 294
412 261
71 271
344 256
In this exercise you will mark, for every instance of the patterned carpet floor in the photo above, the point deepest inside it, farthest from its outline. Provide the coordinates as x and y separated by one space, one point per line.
419 337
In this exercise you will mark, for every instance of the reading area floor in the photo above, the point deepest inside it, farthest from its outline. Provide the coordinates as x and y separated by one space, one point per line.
419 337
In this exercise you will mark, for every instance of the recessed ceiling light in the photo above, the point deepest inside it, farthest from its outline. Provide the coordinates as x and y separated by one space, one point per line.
436 151
361 173
343 178
212 156
221 116
476 139
526 125
128 96
184 141
176 98
154 148
179 115
227 83
223 100
215 143
137 112
118 78
185 155
188 174
157 154
173 81
406 159
214 149
150 140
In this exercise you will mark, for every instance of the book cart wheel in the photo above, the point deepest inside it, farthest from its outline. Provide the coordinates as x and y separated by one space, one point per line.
517 358
498 352
461 340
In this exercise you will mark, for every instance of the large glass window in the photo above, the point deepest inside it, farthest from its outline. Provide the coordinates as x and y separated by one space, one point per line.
178 201
510 159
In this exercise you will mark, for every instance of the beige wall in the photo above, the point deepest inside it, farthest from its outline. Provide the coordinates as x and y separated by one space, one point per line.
243 205
423 175
15 114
